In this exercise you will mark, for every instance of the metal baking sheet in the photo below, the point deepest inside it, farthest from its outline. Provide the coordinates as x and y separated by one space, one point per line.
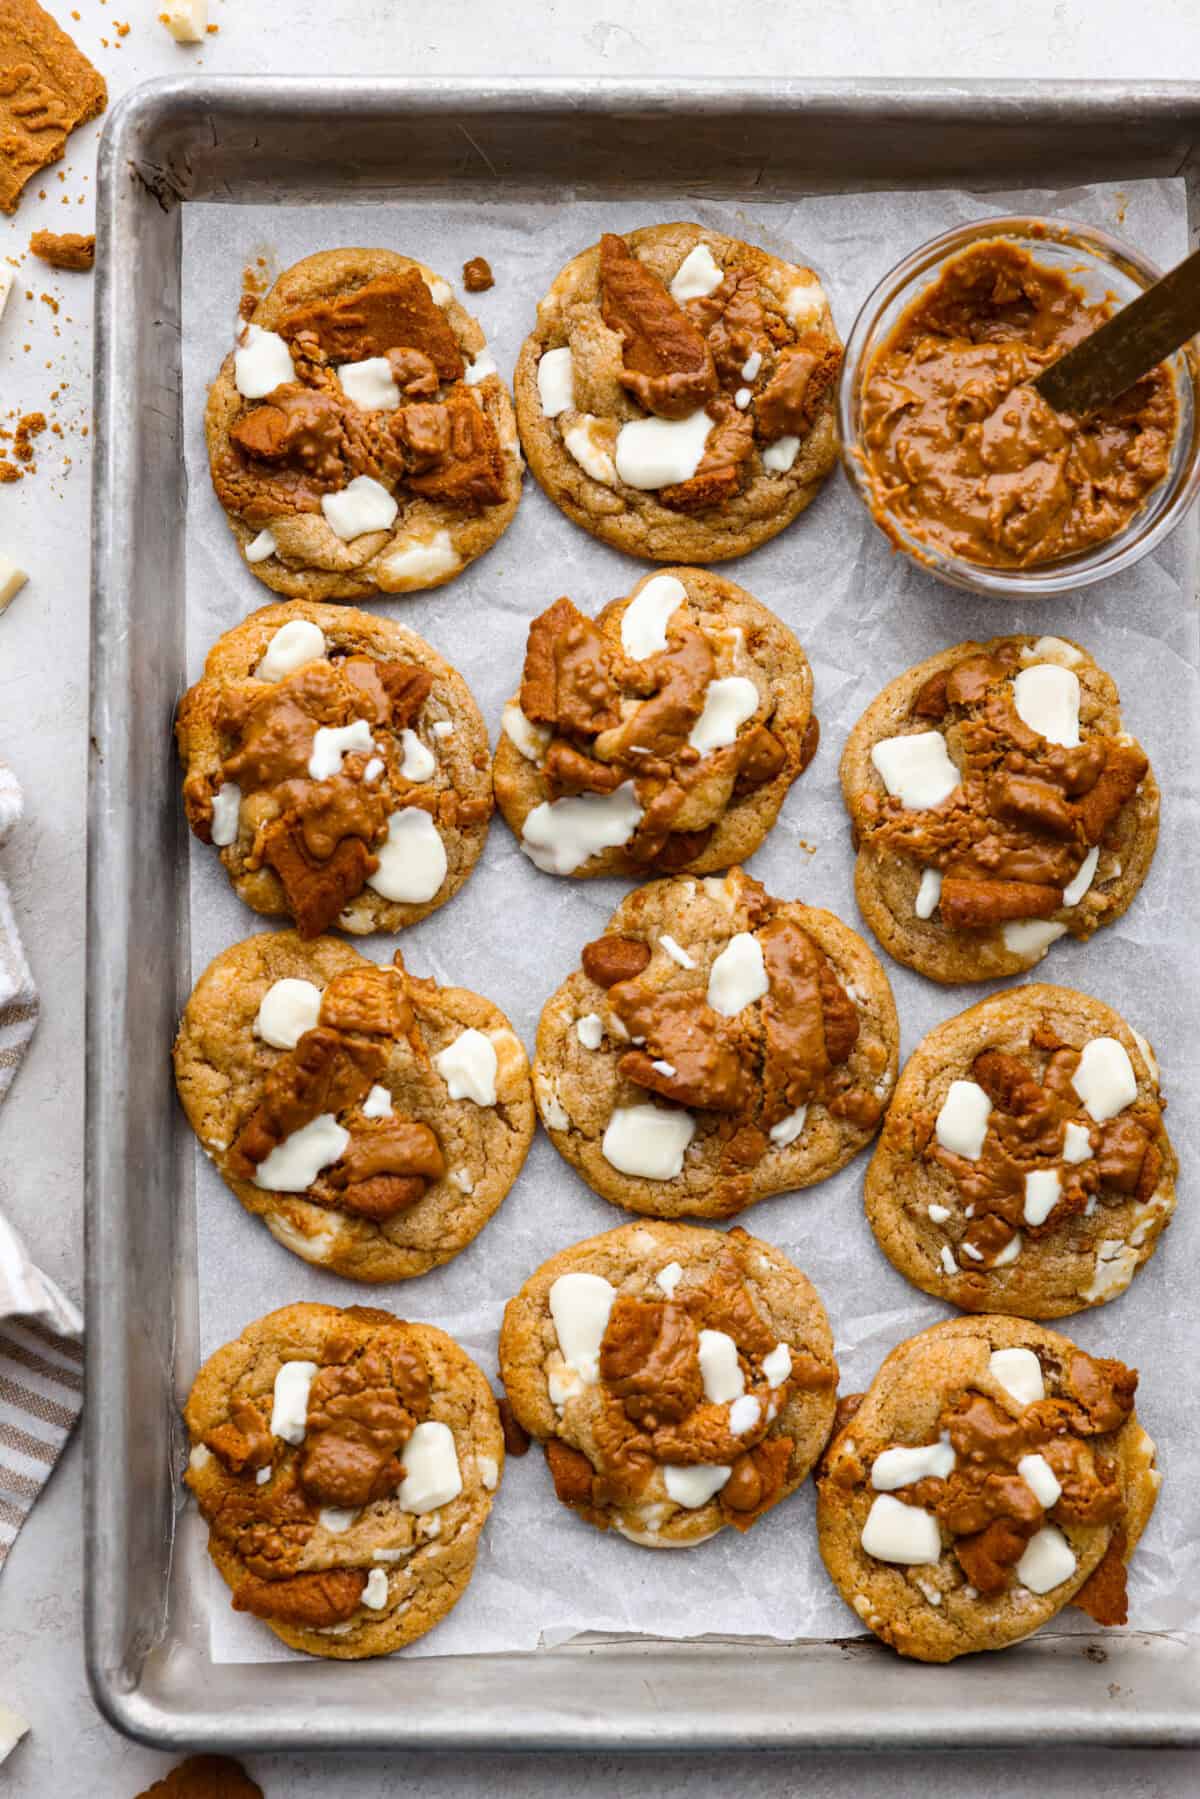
253 140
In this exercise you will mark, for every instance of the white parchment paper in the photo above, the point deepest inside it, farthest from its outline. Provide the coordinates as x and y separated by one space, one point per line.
513 933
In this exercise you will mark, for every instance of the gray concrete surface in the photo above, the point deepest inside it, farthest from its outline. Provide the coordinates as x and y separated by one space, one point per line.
71 1753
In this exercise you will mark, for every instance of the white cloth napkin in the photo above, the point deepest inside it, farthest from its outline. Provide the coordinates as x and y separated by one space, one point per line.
41 1355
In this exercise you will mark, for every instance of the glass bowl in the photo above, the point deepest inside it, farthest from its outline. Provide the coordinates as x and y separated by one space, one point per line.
1102 266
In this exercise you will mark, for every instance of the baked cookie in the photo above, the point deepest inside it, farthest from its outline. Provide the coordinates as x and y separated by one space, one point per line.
360 437
345 1463
373 1121
676 397
205 1777
1023 1165
678 1379
339 764
715 1047
661 737
991 1475
997 804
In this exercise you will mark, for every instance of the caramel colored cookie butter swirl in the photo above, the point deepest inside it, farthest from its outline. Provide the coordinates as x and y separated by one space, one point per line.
1026 813
994 1488
388 1162
363 1403
962 452
688 1387
308 438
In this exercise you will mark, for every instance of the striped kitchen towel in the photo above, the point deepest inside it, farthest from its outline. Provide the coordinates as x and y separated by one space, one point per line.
41 1357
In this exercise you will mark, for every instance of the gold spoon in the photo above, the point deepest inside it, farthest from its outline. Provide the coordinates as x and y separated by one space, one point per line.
1108 361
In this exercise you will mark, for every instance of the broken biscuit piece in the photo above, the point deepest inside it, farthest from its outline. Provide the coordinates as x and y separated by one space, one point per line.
64 249
47 88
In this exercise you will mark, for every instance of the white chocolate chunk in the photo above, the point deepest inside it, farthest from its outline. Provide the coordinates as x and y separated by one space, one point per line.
590 452
644 620
742 398
362 505
1114 1268
579 1306
374 769
375 1593
200 1457
1077 1144
789 1128
286 1010
294 1164
744 1414
332 742
676 952
899 1466
556 382
668 1278
468 1066
728 702
479 370
431 1473
697 275
695 1485
1075 890
1147 1055
336 1519
1104 1079
390 1555
927 1590
532 740
462 1180
1052 649
420 561
738 976
7 277
1046 697
590 1030
262 1476
412 860
442 727
186 20
963 1120
804 302
929 893
489 1471
293 645
1043 1189
261 547
378 1103
1031 936
419 762
227 808
752 365
261 363
895 1532
665 1068
719 1367
916 770
946 1256
441 291
1041 1480
559 836
1019 1372
939 1214
780 455
777 1365
369 384
289 1409
1009 1253
654 452
648 1141
1048 1561
315 1247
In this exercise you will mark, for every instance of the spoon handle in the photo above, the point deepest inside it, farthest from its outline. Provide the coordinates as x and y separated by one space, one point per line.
1109 360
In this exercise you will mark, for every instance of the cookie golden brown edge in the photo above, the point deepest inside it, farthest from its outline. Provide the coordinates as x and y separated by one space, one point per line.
360 437
997 804
662 737
676 395
715 1046
373 1120
345 1462
679 1379
1024 1166
992 1474
339 765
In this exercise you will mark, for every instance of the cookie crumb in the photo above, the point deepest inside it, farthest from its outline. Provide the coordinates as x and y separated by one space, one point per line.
65 249
477 275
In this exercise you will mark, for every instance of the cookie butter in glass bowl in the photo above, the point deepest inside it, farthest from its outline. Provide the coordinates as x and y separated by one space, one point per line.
961 463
